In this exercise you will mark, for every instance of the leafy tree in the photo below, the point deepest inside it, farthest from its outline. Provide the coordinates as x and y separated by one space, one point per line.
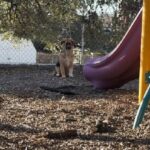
123 17
37 18
97 34
44 20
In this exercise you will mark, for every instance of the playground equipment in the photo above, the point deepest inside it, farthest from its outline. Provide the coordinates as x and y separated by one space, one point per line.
121 65
144 65
145 49
142 108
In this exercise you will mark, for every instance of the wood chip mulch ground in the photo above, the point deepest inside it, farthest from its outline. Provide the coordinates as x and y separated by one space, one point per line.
41 112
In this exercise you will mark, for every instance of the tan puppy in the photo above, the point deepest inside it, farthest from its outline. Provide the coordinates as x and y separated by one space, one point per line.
64 66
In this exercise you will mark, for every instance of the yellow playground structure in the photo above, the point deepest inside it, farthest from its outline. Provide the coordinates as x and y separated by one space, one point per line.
144 79
145 50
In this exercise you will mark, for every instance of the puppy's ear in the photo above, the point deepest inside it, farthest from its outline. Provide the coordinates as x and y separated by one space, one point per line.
63 41
73 43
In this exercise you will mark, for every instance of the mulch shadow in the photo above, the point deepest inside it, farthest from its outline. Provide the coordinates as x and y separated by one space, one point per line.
69 90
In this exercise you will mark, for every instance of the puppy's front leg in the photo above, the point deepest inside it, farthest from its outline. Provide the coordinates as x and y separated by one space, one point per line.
57 69
71 70
62 66
62 70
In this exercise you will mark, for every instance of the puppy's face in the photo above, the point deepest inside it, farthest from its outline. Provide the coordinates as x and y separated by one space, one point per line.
68 43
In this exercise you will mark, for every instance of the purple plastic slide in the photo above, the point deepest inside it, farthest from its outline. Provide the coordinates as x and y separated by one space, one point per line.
119 66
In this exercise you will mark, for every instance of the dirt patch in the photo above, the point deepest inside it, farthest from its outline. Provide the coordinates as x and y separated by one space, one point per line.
32 117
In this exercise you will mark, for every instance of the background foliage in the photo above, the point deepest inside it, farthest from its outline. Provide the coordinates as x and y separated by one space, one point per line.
46 21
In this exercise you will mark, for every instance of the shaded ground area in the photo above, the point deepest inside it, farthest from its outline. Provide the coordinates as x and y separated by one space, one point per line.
34 118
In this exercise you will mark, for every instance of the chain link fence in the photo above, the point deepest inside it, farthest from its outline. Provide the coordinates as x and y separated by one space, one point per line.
103 29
